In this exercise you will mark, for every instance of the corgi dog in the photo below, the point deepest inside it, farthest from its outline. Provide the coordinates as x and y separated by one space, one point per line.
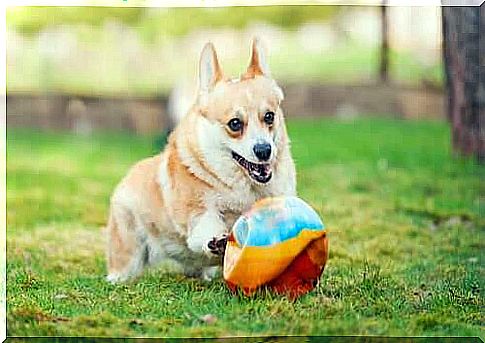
230 150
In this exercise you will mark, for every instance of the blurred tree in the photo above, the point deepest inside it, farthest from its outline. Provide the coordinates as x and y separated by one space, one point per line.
384 58
463 56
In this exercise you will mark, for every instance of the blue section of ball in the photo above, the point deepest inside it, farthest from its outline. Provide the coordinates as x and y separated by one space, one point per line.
275 222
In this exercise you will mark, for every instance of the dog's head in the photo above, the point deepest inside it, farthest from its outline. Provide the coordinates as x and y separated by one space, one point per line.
243 116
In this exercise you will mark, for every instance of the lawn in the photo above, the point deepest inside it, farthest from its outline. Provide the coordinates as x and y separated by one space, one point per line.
405 231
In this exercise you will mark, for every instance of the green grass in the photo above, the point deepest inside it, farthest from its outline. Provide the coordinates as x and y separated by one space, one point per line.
405 229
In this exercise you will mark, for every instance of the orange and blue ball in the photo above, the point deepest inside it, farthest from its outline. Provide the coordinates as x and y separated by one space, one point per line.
280 243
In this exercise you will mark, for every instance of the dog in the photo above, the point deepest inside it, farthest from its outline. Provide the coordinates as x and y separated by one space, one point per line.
230 150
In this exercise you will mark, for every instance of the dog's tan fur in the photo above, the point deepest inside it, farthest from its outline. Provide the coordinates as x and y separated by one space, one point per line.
172 205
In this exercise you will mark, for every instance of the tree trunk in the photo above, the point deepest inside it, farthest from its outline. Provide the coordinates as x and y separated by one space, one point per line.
384 58
464 59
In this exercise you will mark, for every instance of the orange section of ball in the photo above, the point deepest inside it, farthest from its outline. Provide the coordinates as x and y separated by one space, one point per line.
301 275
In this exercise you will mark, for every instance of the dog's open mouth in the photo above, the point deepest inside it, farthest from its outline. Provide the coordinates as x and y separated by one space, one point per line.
260 172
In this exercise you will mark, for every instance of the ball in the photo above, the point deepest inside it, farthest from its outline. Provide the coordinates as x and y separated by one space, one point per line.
280 243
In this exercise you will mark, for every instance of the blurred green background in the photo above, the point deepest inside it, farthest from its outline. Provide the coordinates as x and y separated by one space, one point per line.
145 51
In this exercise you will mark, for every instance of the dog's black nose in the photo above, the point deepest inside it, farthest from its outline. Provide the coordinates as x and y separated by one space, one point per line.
262 151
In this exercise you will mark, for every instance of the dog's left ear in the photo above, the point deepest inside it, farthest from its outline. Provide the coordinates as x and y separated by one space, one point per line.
257 63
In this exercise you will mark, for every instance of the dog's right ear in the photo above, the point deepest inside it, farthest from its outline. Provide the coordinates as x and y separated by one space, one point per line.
210 71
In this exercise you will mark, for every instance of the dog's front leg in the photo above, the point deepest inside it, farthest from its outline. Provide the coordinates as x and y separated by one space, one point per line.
208 234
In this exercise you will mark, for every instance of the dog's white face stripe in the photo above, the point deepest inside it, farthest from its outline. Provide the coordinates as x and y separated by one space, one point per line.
256 133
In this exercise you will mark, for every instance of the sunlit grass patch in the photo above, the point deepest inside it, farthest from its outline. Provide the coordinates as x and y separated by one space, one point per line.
405 231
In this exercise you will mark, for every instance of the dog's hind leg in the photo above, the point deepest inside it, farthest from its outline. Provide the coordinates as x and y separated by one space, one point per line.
127 248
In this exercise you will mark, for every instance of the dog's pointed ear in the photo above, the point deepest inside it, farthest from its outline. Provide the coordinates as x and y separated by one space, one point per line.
257 63
210 71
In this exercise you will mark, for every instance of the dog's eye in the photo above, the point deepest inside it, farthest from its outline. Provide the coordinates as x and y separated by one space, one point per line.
269 117
235 124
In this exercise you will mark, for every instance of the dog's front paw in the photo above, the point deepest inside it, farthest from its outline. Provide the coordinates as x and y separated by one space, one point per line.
217 245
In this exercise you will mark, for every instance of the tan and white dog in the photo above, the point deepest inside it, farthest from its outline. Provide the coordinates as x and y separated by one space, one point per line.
230 150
